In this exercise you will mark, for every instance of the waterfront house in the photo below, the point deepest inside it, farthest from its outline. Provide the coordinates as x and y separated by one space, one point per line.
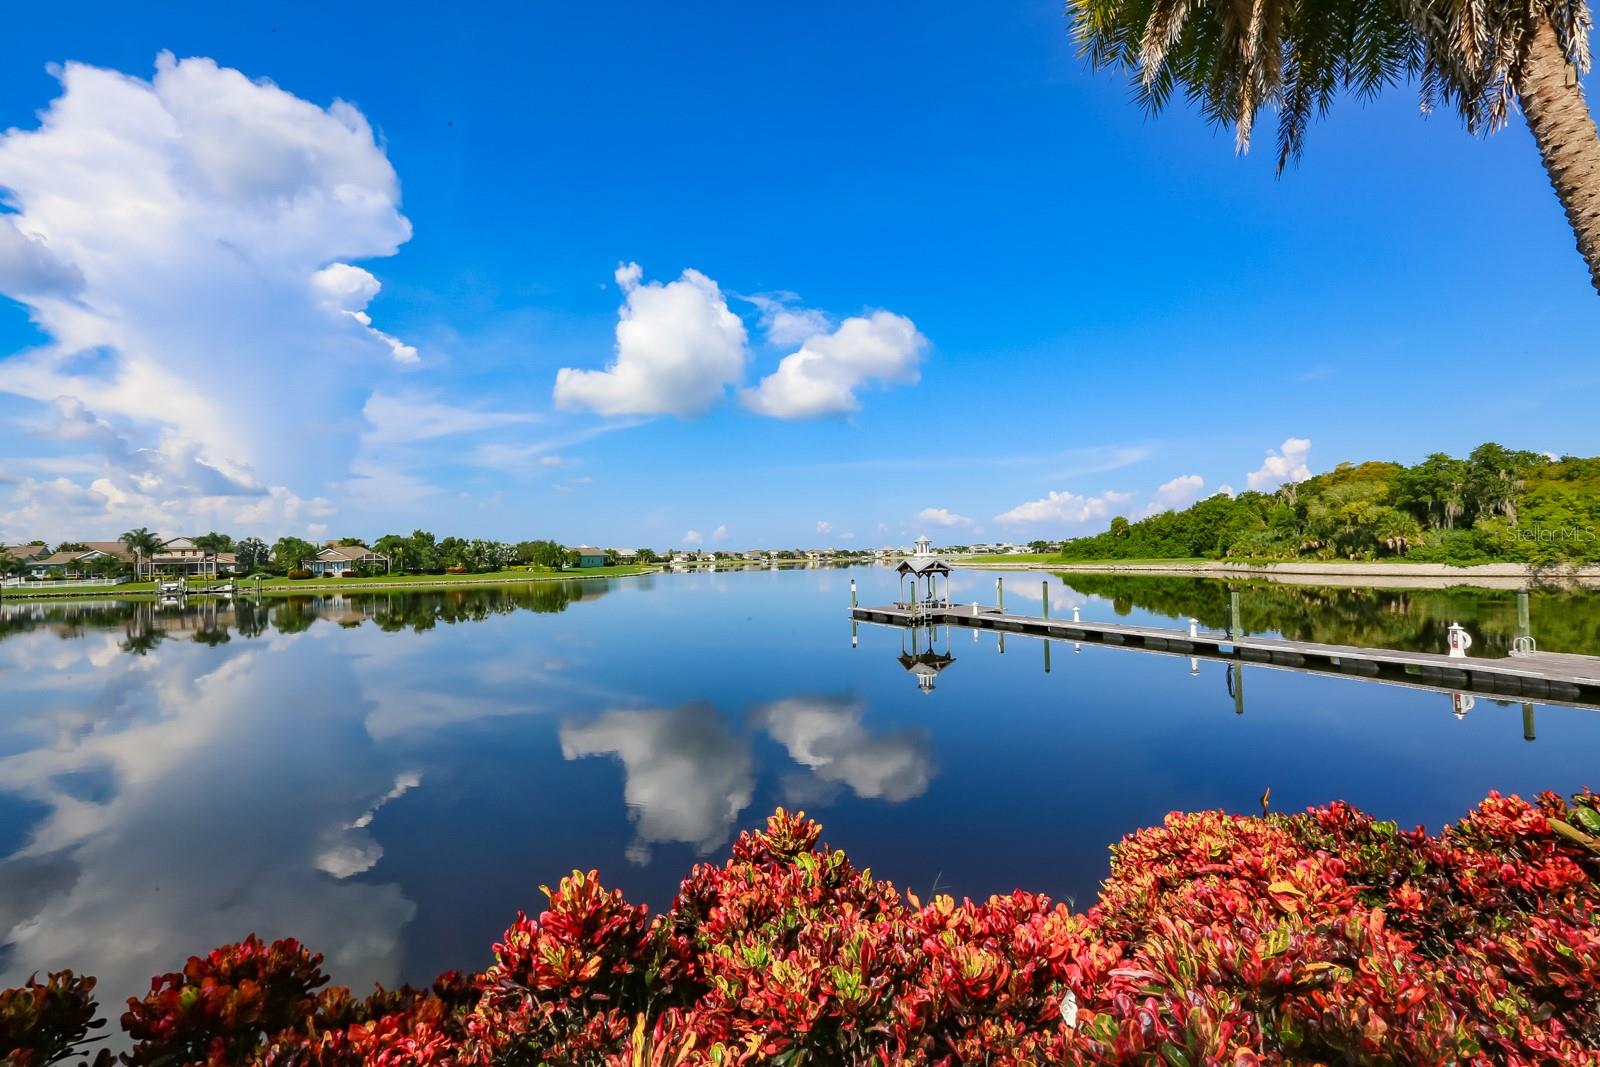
180 557
25 553
87 561
589 556
755 557
338 560
626 555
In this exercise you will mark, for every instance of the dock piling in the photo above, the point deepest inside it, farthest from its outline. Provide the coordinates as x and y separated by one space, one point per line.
1000 593
1527 721
1044 590
1235 626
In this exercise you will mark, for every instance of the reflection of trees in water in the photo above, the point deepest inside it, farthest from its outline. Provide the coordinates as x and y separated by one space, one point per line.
65 619
214 622
423 611
1564 620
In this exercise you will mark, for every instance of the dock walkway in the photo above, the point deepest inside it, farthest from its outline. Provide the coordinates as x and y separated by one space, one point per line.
1550 677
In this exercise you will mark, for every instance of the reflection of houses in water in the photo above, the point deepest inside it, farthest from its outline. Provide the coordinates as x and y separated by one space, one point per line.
922 657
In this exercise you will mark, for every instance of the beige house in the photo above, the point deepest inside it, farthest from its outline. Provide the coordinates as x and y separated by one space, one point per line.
180 557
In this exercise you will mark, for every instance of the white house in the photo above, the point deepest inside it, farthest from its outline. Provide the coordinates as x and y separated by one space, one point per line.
336 560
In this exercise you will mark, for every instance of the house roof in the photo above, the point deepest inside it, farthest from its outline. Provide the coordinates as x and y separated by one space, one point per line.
348 552
589 550
111 548
61 559
920 565
926 663
24 552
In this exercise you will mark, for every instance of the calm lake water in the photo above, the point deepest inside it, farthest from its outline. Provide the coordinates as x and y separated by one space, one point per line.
390 777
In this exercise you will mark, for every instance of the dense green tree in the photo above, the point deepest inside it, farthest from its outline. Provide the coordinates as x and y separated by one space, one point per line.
1435 491
422 553
1485 59
1498 504
291 552
398 548
547 554
252 554
1495 475
214 542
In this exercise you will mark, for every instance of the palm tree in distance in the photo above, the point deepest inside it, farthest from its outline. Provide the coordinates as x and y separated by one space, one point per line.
1482 58
142 543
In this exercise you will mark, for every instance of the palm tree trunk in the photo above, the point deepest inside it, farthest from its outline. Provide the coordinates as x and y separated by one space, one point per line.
1552 102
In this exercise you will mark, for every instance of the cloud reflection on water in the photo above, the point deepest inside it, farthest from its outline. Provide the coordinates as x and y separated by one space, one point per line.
686 777
826 735
221 779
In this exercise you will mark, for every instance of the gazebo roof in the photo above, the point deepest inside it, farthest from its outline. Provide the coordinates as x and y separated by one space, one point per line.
926 663
921 565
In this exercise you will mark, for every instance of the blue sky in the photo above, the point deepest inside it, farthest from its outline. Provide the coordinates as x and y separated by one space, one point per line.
934 262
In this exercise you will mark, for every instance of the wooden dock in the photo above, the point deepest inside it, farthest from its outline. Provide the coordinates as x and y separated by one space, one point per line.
1546 677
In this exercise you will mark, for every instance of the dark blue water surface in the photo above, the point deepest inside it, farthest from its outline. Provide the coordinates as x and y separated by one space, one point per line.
390 777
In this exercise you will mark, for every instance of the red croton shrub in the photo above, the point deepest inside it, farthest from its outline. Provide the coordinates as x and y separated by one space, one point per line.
1325 937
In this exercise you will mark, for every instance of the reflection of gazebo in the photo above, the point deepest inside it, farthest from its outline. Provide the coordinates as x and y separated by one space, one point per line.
924 569
925 663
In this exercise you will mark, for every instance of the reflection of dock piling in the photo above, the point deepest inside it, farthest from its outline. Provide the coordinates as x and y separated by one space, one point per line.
1550 678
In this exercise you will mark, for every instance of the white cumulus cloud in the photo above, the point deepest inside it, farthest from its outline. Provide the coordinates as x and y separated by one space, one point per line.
720 533
1283 465
692 537
185 244
1176 495
822 377
784 323
942 517
823 526
1065 508
678 350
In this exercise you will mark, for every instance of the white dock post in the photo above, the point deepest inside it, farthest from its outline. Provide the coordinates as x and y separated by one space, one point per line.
1000 593
1075 614
1194 627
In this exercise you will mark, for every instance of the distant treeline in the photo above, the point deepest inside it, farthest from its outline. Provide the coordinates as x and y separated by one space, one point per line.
1496 505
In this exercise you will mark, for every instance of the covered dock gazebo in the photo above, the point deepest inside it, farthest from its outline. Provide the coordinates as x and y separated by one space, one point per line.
924 572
